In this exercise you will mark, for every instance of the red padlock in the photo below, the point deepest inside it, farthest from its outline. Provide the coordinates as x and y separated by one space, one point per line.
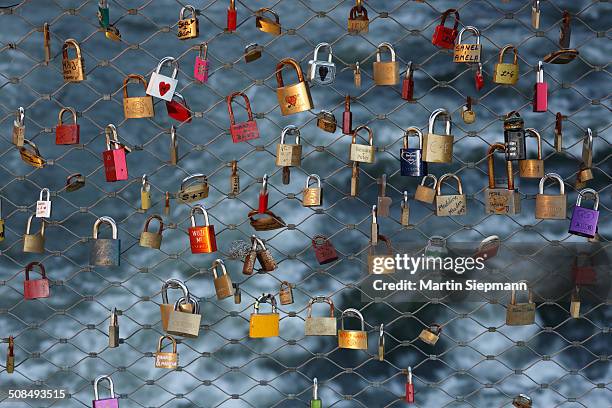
583 270
201 238
409 388
324 250
540 91
231 16
244 131
67 133
408 84
178 109
115 164
263 196
479 78
35 288
347 117
445 36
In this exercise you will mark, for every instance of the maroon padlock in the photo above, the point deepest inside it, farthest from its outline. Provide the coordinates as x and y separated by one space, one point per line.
178 108
445 36
66 134
408 84
243 131
35 288
347 117
583 270
324 250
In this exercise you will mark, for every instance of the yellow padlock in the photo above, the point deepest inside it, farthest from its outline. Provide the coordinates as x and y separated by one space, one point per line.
506 73
264 324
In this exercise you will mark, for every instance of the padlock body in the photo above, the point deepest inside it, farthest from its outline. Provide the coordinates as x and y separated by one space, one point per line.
73 69
312 197
286 296
502 201
35 288
531 168
162 86
113 336
325 253
506 73
106 403
374 259
386 72
232 18
425 194
361 153
194 192
166 360
188 28
145 200
10 364
353 339
551 206
514 139
67 134
429 337
178 111
327 122
358 25
184 324
137 107
438 148
18 134
266 261
1 230
150 239
263 203
241 132
223 286
347 122
165 310
115 165
321 72
321 326
294 98
288 155
468 53
584 222
444 37
409 393
451 205
520 314
34 243
105 252
200 69
202 239
540 97
407 89
411 163
263 325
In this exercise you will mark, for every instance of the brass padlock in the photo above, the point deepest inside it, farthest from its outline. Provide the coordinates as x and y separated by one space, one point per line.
438 148
145 194
10 356
575 303
452 204
467 114
186 324
522 401
174 154
19 127
362 153
320 326
293 98
405 211
386 73
506 73
286 293
312 195
113 330
34 242
501 200
193 188
264 324
152 239
551 206
166 308
252 52
426 194
532 168
352 339
166 359
105 251
234 179
327 121
289 154
30 155
266 24
357 75
431 334
519 314
358 21
374 266
73 68
223 282
469 53
74 182
135 107
188 27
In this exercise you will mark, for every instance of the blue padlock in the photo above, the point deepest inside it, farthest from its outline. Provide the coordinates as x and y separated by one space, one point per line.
411 159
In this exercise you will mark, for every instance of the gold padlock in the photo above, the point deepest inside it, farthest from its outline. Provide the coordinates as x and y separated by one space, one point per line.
34 243
145 194
188 27
357 75
374 266
327 121
520 314
19 127
362 153
352 339
193 188
234 179
223 282
532 168
166 359
312 195
438 148
426 194
286 293
452 204
386 73
29 154
73 68
10 356
150 239
135 107
266 24
501 200
166 308
264 324
551 206
289 154
293 98
186 324
358 21
469 53
506 73
575 303
431 334
320 326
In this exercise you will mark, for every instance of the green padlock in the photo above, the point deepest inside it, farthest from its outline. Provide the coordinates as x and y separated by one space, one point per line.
103 14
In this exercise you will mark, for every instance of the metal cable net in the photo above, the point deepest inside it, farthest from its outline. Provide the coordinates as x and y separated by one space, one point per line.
61 341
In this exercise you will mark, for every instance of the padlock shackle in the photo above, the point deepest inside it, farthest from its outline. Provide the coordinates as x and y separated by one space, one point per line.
71 42
218 262
358 11
446 176
105 220
279 71
434 115
29 225
138 78
172 340
585 191
260 13
31 265
293 129
199 208
355 313
257 242
60 120
181 99
264 298
531 132
491 166
503 51
192 300
285 284
513 294
435 328
203 50
316 178
173 283
145 184
190 8
151 218
587 144
320 299
114 320
370 134
170 61
193 178
417 132
44 192
69 179
110 385
374 214
230 110
431 176
385 45
552 176
446 14
20 116
110 133
409 71
536 5
318 47
264 185
539 73
471 29
404 203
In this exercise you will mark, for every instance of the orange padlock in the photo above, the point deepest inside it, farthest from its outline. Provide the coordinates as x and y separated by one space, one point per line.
202 238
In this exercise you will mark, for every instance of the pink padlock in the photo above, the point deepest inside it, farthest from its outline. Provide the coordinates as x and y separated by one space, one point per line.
200 69
111 402
115 164
540 91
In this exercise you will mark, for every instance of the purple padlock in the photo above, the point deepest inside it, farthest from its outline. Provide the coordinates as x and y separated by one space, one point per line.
111 402
584 220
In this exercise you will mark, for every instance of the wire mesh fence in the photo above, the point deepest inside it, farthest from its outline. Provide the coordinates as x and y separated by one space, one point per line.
62 341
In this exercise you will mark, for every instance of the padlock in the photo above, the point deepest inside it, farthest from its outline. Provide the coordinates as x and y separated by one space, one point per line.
43 205
426 194
136 107
445 36
243 131
188 27
321 72
66 134
584 220
540 91
162 86
47 43
266 222
359 152
248 267
383 202
35 288
352 339
506 73
232 17
264 324
381 343
10 356
201 238
520 314
575 303
193 188
115 164
235 179
103 14
411 159
223 282
532 168
166 308
74 182
19 127
266 261
266 24
324 250
431 334
405 211
262 205
357 75
438 148
237 294
587 149
521 401
373 256
514 136
252 52
201 65
34 243
408 83
150 239
174 151
112 33
31 155
409 387
166 359
499 200
312 196
347 117
468 53
355 179
73 68
374 227
320 326
185 319
467 114
111 402
583 269
167 203
1 223
358 22
436 247
327 121
315 402
535 14
289 154
564 54
488 247
452 204
178 109
105 251
296 97
385 73
113 329
479 77
145 194
285 293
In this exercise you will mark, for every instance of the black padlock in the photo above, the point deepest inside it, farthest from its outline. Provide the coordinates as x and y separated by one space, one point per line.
514 136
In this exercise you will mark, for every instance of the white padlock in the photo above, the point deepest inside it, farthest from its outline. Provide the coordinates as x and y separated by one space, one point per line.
162 86
43 205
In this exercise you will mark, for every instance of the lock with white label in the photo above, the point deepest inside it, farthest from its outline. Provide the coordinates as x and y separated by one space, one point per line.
43 205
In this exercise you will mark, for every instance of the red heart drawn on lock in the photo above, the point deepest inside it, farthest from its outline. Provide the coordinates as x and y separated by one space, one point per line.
291 100
163 88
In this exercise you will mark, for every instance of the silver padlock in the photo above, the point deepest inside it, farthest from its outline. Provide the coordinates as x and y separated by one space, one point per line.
321 72
162 86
